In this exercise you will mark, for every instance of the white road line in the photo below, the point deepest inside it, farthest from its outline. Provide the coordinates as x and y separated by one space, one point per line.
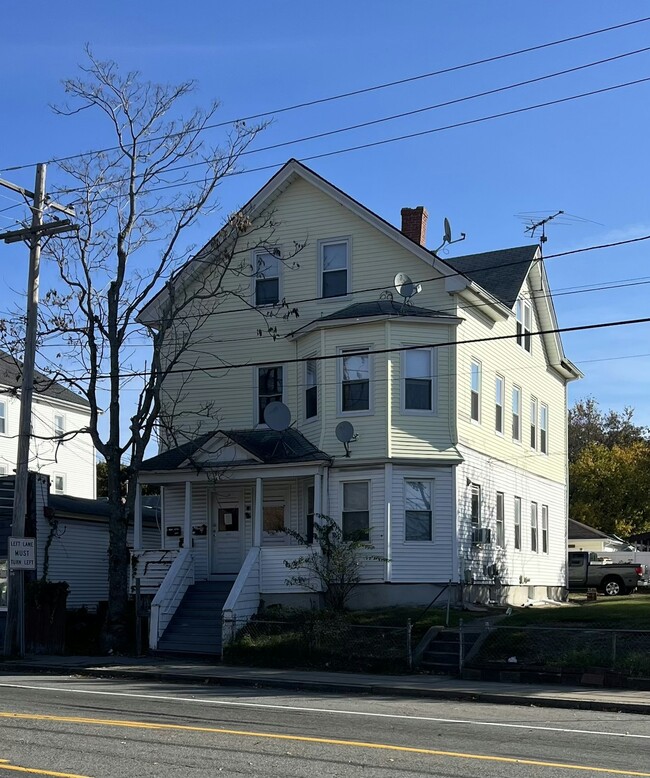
331 711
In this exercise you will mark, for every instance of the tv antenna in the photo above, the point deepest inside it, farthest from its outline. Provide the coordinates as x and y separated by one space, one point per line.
345 434
541 225
446 238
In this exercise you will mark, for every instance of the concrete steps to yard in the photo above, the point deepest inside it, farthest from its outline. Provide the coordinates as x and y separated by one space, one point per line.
442 655
195 628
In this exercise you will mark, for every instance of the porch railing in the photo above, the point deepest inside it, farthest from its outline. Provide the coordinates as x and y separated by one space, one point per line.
244 597
179 578
151 567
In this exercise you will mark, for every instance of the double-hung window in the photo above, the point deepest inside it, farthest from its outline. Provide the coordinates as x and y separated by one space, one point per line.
419 379
311 389
516 414
418 516
501 534
59 425
544 529
499 401
524 324
355 382
475 506
533 423
543 429
266 278
59 483
518 523
475 391
534 543
269 388
335 271
3 418
355 516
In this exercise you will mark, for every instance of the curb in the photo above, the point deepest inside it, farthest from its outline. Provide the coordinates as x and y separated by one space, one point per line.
336 688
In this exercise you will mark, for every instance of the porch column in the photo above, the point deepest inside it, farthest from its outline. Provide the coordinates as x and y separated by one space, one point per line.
258 515
318 497
137 519
187 527
325 493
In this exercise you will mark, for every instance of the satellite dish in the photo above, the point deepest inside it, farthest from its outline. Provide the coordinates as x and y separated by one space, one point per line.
405 287
447 230
344 432
277 416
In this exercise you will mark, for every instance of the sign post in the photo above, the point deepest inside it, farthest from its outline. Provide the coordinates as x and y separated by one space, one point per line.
22 556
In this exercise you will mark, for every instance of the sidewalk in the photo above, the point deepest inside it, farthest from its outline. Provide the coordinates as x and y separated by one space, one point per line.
422 686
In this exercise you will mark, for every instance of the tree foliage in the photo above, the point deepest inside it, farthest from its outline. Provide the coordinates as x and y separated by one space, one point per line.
589 425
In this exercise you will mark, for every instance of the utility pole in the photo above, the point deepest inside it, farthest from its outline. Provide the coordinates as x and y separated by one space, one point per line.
38 229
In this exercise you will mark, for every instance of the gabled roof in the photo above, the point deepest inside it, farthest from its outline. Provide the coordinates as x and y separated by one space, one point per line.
11 375
578 530
502 273
264 445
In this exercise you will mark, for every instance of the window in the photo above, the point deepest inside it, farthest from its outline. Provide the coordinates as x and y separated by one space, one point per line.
418 371
518 523
516 414
501 535
476 505
3 469
59 425
228 519
59 484
269 389
3 418
311 389
3 583
499 401
355 516
544 529
266 278
310 514
355 383
533 527
273 518
533 423
475 395
418 524
543 429
334 266
524 324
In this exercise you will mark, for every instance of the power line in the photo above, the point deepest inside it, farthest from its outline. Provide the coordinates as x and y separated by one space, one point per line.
366 90
404 114
372 144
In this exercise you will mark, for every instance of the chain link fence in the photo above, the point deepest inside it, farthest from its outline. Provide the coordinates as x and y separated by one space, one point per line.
324 643
562 648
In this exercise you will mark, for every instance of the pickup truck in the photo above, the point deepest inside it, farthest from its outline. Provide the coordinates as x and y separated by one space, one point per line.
585 572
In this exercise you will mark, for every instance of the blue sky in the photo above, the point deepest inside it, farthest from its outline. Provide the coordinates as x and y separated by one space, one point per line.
588 157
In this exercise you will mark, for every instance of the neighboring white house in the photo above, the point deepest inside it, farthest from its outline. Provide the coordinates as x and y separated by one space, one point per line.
582 537
458 468
57 412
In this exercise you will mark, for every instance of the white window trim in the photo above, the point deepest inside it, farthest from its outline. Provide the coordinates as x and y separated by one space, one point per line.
341 352
534 529
526 306
6 418
256 385
519 415
517 501
474 361
63 431
544 528
500 432
254 255
3 470
62 476
368 483
503 520
347 239
431 482
543 406
477 487
433 368
309 358
533 421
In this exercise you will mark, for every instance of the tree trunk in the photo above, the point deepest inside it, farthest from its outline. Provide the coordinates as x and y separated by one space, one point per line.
116 634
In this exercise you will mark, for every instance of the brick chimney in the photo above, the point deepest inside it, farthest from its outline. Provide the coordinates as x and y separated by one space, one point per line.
414 224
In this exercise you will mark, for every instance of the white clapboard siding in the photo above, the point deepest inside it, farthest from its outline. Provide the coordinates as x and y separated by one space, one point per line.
274 573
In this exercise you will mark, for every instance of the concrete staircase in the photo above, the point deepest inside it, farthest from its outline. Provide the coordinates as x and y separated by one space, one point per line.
196 626
442 655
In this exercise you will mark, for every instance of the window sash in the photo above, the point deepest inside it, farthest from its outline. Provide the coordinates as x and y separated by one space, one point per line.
524 315
267 279
418 380
475 392
311 389
533 423
269 388
59 425
3 418
418 515
334 269
59 484
355 383
545 529
516 413
355 515
500 519
499 391
475 507
533 527
543 429
518 523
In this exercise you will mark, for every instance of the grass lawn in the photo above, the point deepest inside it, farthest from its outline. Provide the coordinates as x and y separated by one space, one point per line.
631 612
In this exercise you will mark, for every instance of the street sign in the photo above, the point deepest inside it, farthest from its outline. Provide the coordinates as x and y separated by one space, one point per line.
22 553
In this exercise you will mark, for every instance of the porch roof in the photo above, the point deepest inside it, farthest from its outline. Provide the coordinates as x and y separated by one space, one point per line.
265 446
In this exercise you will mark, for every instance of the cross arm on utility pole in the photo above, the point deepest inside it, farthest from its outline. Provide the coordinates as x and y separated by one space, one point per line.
69 211
44 230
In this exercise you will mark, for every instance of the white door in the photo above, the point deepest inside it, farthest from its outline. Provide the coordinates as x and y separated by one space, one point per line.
226 540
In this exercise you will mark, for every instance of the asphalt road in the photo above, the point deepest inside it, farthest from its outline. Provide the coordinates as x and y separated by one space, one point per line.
67 726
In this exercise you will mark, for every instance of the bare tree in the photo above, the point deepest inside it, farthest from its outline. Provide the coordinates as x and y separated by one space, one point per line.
136 202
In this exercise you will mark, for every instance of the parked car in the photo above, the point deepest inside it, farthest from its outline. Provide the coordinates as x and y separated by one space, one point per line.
586 571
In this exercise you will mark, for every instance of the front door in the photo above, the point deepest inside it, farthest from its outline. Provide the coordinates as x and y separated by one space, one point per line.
227 533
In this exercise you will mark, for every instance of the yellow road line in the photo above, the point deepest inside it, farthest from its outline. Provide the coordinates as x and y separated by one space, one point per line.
4 765
321 740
